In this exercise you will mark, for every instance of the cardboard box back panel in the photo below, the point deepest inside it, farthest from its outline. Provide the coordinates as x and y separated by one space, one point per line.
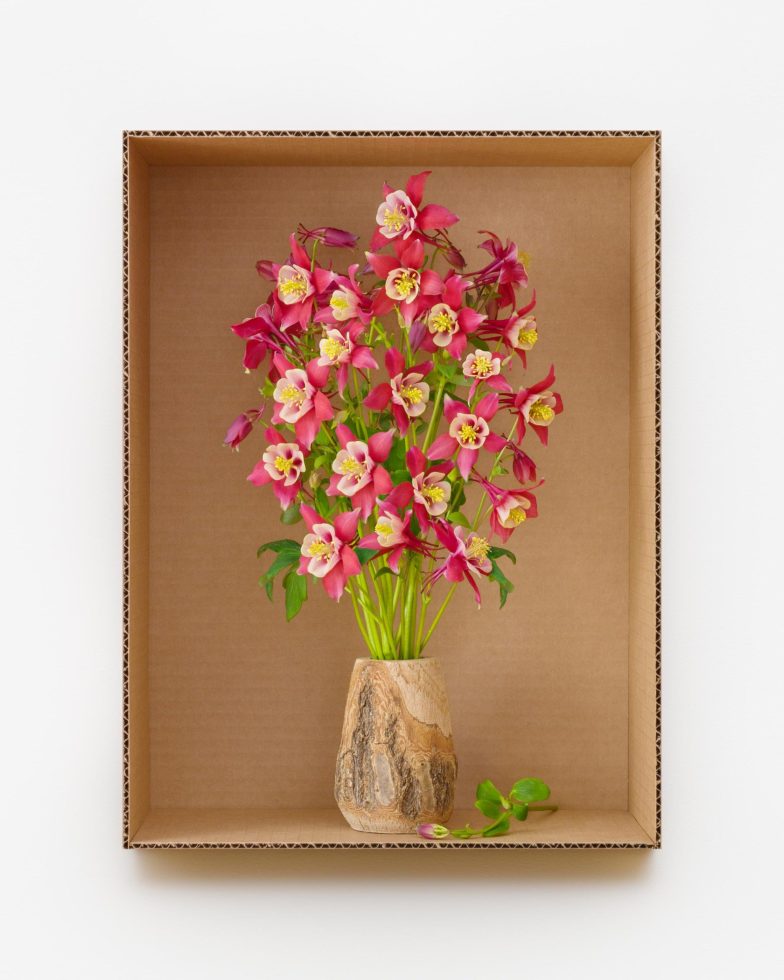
232 716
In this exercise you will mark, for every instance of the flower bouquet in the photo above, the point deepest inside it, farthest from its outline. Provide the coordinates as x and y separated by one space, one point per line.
391 428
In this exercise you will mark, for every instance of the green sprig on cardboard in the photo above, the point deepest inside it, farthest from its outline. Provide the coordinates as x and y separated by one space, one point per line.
522 799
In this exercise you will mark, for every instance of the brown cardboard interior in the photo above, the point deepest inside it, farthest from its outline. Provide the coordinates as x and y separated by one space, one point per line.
233 716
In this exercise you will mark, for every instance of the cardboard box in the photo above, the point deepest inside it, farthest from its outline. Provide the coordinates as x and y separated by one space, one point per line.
232 716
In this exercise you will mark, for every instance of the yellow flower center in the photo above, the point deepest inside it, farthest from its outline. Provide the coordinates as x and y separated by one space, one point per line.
411 395
540 412
338 302
405 283
383 528
468 433
394 220
528 337
517 515
352 467
283 465
320 549
334 348
478 548
483 365
442 323
434 494
296 286
292 395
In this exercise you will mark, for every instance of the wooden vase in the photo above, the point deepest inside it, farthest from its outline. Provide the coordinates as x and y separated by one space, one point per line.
396 765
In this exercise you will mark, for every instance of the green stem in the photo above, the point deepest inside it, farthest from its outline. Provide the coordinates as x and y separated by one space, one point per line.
438 616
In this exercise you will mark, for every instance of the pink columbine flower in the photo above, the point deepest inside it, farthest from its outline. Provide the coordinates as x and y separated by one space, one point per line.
523 467
406 389
326 550
482 366
331 237
402 277
297 286
468 433
467 554
402 285
401 215
510 508
242 427
505 271
282 463
429 488
294 284
357 470
392 535
337 349
536 406
262 334
432 831
298 400
448 322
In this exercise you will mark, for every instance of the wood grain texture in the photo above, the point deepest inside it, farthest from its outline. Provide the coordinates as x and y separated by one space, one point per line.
396 764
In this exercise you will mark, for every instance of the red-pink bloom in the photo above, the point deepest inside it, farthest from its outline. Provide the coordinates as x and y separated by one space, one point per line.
468 433
400 214
261 334
482 366
331 237
510 508
326 550
518 332
282 464
523 467
337 349
401 275
298 399
357 472
242 427
505 271
392 535
406 389
536 406
467 554
429 489
297 286
347 301
448 322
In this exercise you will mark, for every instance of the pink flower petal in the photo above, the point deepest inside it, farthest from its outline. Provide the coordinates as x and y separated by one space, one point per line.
394 362
346 525
380 445
415 187
309 516
435 216
443 447
466 458
378 398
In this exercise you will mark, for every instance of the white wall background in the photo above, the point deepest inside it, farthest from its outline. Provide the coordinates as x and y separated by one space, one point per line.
73 76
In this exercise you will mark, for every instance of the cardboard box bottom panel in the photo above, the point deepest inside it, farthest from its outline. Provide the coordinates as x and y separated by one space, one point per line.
232 716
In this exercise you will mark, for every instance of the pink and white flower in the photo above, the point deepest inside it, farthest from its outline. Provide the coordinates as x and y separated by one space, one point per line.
406 389
536 406
402 285
448 322
468 433
482 366
392 535
298 400
326 550
429 489
401 215
467 554
396 215
282 464
357 472
337 349
509 508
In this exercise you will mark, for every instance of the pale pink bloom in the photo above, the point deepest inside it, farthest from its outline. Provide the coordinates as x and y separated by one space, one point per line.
481 364
410 392
521 333
344 304
541 408
321 548
294 393
396 215
475 549
354 466
512 511
443 324
432 492
294 284
402 285
469 430
284 461
390 531
335 348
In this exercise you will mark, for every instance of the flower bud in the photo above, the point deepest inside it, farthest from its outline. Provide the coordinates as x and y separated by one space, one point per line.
432 831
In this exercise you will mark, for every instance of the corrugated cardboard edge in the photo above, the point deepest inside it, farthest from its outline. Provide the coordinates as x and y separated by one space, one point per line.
128 135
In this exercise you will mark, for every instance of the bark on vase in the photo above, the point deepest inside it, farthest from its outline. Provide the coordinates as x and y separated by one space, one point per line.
396 765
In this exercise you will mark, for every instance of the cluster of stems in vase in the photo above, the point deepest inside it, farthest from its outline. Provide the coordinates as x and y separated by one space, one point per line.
390 424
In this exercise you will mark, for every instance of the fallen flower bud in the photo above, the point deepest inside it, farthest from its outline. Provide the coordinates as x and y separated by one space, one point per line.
432 831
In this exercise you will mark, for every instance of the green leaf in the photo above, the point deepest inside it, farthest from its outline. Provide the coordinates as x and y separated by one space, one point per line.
399 476
286 544
487 790
488 808
268 583
520 810
457 518
385 570
530 790
365 554
284 560
500 826
320 461
496 552
296 587
397 457
504 585
322 502
291 515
